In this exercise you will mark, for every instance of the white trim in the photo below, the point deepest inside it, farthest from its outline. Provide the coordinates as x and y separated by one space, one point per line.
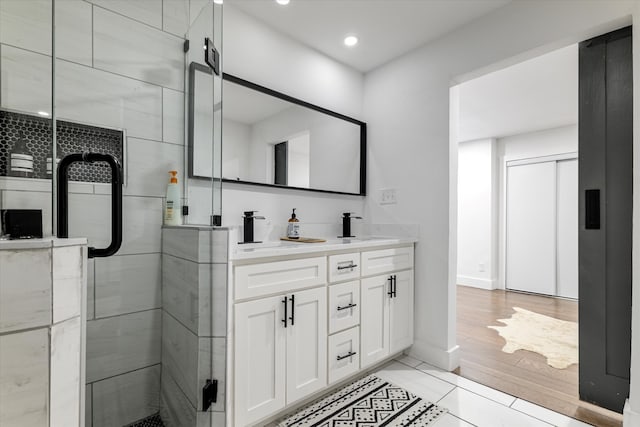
631 418
443 359
476 282
542 159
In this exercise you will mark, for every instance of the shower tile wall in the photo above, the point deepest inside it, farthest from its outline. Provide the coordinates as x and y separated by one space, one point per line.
120 65
194 323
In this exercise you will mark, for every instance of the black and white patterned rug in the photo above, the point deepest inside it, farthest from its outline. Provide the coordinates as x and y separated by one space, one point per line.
368 402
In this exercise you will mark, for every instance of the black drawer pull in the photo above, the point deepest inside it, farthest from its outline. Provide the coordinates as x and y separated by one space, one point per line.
344 267
346 307
284 301
293 308
351 353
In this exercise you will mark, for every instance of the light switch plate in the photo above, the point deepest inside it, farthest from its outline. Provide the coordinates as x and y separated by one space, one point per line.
387 196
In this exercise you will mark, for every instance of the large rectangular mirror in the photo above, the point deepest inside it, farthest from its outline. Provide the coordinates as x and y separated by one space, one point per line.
273 139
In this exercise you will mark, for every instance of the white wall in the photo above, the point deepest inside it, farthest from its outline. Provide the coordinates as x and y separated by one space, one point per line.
525 146
407 105
257 53
477 214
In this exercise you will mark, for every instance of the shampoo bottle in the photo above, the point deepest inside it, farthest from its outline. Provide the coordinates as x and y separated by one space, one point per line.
172 214
293 228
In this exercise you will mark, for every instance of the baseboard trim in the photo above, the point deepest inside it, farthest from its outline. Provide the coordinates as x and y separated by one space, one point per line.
440 358
477 283
630 417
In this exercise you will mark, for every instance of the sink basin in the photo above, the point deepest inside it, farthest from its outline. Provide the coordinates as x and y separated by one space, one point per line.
362 239
265 245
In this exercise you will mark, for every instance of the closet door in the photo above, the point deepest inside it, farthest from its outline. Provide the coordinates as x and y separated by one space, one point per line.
567 228
531 228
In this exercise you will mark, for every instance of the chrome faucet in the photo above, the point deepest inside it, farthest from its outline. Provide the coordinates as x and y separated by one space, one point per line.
346 224
248 226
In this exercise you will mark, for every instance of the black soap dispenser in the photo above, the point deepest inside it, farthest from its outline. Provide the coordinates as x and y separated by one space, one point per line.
293 228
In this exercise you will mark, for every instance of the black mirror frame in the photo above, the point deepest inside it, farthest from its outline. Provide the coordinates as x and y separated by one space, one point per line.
234 79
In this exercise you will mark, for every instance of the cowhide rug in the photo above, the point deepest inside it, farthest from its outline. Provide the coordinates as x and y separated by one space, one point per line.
555 339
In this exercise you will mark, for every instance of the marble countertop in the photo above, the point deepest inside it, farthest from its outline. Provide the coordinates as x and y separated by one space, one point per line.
45 242
286 248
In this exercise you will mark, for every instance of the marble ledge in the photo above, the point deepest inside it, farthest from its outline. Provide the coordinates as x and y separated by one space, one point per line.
44 243
288 248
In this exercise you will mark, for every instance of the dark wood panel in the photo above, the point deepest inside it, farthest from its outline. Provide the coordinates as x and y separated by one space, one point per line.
523 374
605 146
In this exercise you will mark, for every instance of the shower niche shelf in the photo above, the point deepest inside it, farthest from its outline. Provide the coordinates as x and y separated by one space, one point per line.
71 138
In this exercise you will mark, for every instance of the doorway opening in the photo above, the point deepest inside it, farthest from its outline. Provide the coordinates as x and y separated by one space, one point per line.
517 270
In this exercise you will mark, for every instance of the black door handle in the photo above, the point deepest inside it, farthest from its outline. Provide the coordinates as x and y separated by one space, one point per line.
293 309
284 301
116 199
395 285
592 209
390 293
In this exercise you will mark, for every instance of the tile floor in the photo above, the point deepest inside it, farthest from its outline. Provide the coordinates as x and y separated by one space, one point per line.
469 403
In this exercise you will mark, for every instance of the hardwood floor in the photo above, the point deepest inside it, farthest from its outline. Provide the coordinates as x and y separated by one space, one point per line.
523 374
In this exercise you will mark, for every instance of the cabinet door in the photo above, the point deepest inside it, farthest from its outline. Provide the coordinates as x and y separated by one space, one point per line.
260 350
374 319
306 343
401 312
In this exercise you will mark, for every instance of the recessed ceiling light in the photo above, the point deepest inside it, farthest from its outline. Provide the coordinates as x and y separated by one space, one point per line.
350 41
43 113
282 2
218 1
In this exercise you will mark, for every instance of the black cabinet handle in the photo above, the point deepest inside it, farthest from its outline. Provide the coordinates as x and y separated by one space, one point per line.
351 353
116 199
344 267
284 301
592 209
390 293
395 285
293 308
346 307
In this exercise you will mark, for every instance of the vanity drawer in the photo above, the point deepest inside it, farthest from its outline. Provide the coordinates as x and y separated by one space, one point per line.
386 260
279 277
344 267
344 354
344 306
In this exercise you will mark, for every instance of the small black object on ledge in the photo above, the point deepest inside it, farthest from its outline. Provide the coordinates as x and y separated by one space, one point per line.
22 223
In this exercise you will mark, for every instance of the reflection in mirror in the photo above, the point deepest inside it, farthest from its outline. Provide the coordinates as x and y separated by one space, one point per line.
273 139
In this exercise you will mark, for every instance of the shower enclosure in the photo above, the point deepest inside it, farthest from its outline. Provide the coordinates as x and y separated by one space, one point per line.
112 77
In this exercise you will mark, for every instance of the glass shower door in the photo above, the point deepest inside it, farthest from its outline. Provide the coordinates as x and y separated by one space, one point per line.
120 89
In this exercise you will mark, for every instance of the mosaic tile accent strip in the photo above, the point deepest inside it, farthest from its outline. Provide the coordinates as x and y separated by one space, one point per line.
72 138
152 421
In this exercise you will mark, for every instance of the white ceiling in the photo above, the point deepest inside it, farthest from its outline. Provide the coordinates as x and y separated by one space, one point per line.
541 93
386 28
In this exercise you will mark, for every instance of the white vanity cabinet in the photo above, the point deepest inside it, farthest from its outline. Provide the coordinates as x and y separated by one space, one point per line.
305 321
280 352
